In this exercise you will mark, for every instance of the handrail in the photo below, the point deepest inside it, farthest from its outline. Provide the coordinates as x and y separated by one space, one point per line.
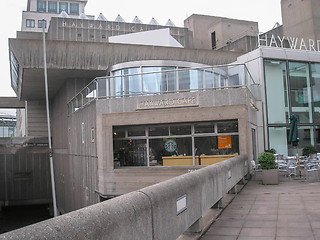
161 211
221 71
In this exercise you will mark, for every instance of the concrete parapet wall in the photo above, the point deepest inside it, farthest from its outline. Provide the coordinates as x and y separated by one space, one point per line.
149 213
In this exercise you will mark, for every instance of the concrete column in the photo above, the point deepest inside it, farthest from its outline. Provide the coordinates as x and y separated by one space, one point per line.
196 227
219 204
233 190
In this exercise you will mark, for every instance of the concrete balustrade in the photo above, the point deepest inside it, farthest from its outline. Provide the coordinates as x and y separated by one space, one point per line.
150 213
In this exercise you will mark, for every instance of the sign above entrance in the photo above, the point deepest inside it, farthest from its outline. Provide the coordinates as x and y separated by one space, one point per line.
169 103
269 40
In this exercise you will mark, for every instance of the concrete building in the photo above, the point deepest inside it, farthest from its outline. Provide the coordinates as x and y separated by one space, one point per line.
38 10
7 125
125 116
301 18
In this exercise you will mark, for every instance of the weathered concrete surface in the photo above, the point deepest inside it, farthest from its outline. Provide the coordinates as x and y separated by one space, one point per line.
78 60
11 102
24 172
150 213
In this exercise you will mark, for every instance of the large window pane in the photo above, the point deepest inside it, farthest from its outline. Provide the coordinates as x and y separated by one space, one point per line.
277 93
208 79
152 82
63 6
206 127
300 91
132 83
52 7
184 80
41 6
196 79
315 82
74 8
157 151
159 131
130 153
136 131
212 145
179 151
278 140
228 127
317 138
180 130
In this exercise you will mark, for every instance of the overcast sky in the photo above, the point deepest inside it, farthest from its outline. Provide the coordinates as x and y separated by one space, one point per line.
265 12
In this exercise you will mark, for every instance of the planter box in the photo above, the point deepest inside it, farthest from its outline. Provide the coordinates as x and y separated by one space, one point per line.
270 176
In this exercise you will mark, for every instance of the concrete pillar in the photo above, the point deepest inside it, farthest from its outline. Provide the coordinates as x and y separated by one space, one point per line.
219 204
242 181
233 190
196 227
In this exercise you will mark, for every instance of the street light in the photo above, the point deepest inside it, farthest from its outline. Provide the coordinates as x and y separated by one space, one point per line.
55 211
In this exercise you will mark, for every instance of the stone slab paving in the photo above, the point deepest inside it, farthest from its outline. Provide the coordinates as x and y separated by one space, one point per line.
290 210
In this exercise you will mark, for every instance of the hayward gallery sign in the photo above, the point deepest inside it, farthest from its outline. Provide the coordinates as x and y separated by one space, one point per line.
289 42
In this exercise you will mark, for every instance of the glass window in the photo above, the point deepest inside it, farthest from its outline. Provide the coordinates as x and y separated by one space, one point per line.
119 132
63 6
300 91
180 130
277 92
42 6
228 127
315 82
169 78
40 23
136 131
159 131
213 145
278 140
184 80
74 8
153 82
130 152
208 79
196 79
52 7
30 23
206 127
317 138
132 83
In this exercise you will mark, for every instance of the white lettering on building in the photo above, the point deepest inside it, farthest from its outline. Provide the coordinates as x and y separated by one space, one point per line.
293 42
168 103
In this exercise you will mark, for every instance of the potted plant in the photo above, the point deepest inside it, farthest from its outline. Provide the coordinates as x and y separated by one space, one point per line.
309 151
270 172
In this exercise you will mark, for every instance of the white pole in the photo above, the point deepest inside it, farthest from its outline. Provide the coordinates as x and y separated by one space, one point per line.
55 211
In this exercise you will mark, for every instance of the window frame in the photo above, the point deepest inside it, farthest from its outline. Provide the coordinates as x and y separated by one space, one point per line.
61 4
30 21
52 3
71 9
41 9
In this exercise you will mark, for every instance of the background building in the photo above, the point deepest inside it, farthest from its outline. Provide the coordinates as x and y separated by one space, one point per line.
7 125
126 115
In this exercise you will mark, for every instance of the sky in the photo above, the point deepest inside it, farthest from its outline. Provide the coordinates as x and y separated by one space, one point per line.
265 12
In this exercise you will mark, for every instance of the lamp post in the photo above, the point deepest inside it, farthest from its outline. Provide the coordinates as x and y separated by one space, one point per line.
55 211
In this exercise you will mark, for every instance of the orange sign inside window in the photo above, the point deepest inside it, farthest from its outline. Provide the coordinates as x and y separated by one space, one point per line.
224 142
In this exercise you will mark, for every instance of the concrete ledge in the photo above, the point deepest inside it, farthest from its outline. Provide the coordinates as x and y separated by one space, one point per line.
150 213
11 102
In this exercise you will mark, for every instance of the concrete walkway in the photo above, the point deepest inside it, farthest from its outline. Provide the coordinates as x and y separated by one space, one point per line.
290 210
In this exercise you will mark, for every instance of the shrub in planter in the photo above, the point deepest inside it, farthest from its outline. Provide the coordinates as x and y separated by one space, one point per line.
272 150
267 161
308 150
270 172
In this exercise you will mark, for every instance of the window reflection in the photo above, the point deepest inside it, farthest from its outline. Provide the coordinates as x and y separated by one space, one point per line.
315 81
300 92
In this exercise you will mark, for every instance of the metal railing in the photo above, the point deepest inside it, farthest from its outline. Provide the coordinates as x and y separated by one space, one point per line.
164 82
